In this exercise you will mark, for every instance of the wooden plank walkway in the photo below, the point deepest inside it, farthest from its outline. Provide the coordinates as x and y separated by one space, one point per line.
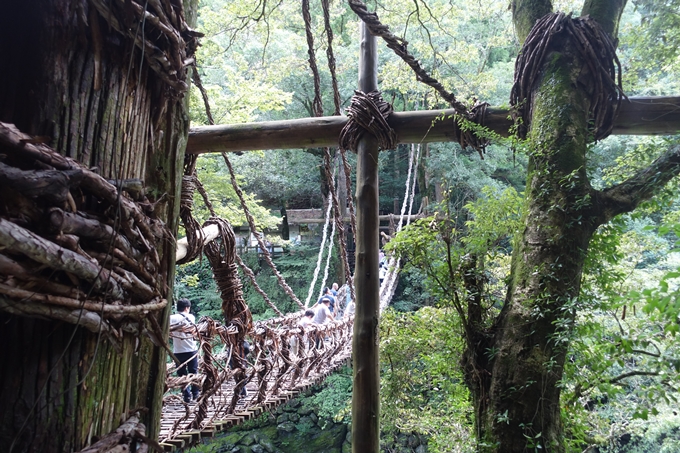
178 416
270 339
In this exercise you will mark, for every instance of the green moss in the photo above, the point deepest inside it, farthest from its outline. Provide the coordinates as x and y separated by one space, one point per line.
606 13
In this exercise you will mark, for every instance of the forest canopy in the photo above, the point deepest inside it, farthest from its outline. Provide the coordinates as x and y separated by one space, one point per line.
527 274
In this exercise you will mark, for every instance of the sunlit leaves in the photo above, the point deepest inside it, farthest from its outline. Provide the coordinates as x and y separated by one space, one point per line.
496 217
214 176
421 388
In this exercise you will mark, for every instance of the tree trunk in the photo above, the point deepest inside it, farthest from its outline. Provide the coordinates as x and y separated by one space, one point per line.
514 371
72 79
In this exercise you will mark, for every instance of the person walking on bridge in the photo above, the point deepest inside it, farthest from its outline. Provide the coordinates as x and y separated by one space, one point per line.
184 345
302 324
323 312
327 294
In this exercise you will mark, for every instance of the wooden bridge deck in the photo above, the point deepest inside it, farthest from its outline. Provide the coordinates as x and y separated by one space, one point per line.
270 340
177 416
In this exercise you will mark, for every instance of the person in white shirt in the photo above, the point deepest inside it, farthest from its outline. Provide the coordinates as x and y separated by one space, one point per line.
323 312
184 346
349 311
302 324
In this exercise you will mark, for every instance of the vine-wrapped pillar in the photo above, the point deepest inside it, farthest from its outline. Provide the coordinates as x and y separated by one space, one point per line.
75 77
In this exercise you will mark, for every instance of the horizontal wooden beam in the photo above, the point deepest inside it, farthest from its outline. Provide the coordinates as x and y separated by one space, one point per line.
382 218
640 116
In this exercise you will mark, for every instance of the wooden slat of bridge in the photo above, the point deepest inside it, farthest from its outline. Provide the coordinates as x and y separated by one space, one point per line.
246 408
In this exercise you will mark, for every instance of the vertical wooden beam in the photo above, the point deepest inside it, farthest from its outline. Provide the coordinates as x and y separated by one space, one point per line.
366 395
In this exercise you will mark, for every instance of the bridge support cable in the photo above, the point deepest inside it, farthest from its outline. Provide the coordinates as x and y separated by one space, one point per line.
191 246
328 259
338 224
251 222
389 284
317 269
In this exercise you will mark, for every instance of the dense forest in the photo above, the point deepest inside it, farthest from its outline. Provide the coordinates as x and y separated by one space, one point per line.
604 312
537 305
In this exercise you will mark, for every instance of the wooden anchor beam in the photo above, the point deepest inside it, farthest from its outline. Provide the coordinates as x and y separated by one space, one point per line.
640 116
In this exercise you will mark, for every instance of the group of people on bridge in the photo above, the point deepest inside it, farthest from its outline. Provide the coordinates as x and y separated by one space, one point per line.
183 332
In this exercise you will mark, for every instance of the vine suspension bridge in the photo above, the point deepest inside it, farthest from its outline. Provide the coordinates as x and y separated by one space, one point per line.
284 358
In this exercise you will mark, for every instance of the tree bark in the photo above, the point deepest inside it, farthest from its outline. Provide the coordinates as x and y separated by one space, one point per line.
84 89
514 372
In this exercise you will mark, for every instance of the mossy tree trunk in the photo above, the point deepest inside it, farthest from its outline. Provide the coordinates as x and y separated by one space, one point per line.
69 77
514 368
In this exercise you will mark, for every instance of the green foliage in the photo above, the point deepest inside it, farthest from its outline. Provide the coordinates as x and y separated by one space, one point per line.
638 157
333 400
650 39
421 392
624 360
442 253
296 266
494 218
214 175
411 293
282 177
195 282
254 64
463 175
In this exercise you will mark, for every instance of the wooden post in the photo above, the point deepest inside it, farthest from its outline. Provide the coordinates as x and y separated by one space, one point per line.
365 345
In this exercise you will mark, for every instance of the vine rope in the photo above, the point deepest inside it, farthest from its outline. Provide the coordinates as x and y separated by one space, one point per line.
251 222
390 282
331 56
318 111
317 269
328 260
244 267
317 105
339 224
191 225
368 112
476 114
598 53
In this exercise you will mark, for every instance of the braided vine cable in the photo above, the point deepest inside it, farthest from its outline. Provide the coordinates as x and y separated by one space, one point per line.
339 224
324 236
251 222
251 276
352 214
330 55
464 136
317 105
328 260
598 54
400 47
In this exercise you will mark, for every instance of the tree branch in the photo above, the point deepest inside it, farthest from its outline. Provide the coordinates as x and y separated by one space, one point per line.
623 376
607 13
626 196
